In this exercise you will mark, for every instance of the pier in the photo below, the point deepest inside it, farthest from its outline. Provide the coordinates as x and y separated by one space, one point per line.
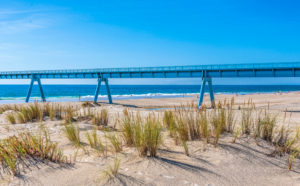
205 72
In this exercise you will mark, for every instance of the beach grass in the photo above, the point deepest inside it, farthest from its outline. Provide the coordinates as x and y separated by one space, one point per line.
100 118
294 154
69 113
112 171
72 132
236 134
115 142
16 150
127 127
10 117
96 142
144 134
186 148
184 123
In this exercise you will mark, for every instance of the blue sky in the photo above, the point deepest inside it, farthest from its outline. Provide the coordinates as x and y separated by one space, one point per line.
60 34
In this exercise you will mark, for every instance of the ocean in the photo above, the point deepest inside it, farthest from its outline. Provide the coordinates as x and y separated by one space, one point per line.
17 93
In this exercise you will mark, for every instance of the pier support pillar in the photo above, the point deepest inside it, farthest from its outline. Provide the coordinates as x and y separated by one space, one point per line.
211 92
38 80
97 90
202 92
105 80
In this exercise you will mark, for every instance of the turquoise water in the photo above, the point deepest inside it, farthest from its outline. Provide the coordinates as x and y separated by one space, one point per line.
17 93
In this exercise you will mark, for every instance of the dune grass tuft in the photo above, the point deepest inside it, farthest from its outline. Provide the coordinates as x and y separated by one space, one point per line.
100 118
236 134
295 153
247 120
115 142
10 117
69 112
72 132
169 122
186 148
112 170
95 142
16 150
127 126
267 124
147 136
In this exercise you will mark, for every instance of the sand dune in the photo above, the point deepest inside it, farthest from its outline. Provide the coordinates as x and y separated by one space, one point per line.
246 162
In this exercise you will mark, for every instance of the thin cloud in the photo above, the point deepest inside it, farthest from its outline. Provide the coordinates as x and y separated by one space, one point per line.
21 25
15 21
8 12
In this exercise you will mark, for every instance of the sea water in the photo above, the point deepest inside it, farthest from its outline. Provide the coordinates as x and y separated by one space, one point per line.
17 93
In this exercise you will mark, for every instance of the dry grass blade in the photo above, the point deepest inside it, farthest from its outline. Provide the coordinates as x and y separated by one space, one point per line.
236 134
186 148
69 114
73 134
115 142
11 118
146 135
294 154
15 150
127 126
112 170
100 119
95 142
247 120
169 122
267 124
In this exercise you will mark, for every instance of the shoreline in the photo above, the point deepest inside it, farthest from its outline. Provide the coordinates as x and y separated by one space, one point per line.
102 98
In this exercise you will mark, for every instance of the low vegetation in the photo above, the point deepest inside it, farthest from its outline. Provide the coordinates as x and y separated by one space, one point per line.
188 123
96 143
115 142
112 171
127 126
145 135
38 112
183 124
17 151
100 118
72 132
11 118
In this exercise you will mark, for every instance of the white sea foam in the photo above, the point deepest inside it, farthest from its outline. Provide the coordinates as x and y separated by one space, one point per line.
118 96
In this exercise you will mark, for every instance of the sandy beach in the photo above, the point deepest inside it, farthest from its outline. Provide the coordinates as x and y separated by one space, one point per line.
246 162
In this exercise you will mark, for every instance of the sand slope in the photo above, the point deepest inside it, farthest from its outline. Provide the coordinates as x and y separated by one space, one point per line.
242 163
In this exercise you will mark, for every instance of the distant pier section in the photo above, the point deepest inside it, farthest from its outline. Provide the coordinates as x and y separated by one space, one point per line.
205 72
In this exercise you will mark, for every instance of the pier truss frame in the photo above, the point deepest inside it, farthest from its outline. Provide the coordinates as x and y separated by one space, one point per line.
38 80
105 80
205 72
211 91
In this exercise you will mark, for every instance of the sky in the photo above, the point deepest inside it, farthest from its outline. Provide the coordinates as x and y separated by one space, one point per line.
71 34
